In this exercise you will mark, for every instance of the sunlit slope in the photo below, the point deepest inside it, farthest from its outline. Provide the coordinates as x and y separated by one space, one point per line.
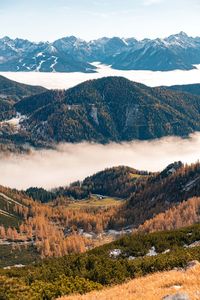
151 287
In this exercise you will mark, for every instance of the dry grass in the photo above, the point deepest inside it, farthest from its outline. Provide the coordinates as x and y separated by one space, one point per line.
96 203
151 287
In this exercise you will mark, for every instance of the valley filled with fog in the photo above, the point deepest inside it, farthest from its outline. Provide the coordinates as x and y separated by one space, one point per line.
71 162
68 80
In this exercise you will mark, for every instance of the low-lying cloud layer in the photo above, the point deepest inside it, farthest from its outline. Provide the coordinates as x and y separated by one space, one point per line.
68 80
70 162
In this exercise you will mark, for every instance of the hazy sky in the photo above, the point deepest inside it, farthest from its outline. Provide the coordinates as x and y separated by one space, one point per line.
89 19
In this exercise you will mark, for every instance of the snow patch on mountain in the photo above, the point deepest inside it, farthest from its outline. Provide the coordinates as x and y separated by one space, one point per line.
54 63
177 51
152 252
38 69
191 184
16 121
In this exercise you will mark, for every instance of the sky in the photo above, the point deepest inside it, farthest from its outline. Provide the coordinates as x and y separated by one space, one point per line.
42 20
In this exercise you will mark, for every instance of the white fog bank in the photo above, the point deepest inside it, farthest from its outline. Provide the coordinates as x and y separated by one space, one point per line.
70 162
68 80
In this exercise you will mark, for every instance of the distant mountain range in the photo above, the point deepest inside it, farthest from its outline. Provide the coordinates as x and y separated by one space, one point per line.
70 54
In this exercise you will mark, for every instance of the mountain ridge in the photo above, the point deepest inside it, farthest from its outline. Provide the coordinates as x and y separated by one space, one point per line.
72 54
109 109
12 92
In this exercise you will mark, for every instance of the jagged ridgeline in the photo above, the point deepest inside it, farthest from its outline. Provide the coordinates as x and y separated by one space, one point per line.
70 54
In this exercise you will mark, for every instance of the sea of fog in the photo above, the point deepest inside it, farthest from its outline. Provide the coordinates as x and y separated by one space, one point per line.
70 162
67 80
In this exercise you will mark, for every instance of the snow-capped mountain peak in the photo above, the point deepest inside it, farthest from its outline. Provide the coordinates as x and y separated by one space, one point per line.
178 51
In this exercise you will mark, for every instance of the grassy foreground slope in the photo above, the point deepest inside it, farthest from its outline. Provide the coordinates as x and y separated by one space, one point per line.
82 273
151 287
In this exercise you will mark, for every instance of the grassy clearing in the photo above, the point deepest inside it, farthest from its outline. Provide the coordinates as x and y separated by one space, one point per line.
135 176
94 201
151 287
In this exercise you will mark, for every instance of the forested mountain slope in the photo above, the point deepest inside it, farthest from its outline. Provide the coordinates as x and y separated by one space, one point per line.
184 214
109 109
157 201
148 194
162 192
11 92
187 88
118 182
16 91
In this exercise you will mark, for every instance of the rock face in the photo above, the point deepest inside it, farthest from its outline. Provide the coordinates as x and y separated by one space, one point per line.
177 297
70 54
171 169
193 264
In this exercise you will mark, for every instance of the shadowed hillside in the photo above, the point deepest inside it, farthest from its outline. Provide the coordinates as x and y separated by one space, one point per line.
109 109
